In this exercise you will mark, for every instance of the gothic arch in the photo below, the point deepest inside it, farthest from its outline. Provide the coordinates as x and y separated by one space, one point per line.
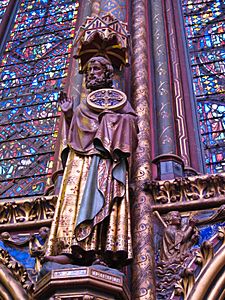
10 288
211 283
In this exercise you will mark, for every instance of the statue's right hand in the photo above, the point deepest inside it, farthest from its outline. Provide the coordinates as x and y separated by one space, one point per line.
192 221
45 258
65 102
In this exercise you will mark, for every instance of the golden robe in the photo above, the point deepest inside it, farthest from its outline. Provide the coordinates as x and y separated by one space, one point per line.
93 212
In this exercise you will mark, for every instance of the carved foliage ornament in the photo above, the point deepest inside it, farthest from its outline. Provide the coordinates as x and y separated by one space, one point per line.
18 271
187 189
40 208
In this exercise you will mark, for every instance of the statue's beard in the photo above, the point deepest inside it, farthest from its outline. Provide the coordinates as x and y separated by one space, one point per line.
96 83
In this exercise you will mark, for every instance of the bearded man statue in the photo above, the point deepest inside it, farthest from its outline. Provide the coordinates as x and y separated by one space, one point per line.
92 224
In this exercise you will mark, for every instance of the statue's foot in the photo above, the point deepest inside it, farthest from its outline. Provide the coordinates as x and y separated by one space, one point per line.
99 261
60 259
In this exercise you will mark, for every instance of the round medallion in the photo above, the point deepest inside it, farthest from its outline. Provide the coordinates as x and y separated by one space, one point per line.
106 99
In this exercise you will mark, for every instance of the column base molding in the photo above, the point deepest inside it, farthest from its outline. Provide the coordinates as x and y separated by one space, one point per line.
169 166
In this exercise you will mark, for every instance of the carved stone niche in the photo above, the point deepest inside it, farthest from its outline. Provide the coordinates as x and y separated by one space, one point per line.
84 283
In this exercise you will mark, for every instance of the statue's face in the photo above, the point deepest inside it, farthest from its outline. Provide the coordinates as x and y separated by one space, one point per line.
43 232
95 78
175 218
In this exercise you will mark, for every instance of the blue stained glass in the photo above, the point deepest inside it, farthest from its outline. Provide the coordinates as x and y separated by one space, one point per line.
19 114
39 62
117 8
205 31
28 5
21 256
33 186
3 7
37 47
29 99
207 232
24 166
27 129
33 69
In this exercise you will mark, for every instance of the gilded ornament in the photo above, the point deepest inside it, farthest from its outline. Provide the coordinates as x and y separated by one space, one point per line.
18 271
23 211
175 252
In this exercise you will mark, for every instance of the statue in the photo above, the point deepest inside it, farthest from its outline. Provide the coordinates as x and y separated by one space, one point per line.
175 252
177 239
93 225
37 246
36 243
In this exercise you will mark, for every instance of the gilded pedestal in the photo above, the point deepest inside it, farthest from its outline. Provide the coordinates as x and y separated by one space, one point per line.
82 283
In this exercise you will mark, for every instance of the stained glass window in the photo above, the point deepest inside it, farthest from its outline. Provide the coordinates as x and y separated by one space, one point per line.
116 8
33 69
3 6
205 30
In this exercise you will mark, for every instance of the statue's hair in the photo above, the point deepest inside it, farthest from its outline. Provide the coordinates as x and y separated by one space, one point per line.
107 66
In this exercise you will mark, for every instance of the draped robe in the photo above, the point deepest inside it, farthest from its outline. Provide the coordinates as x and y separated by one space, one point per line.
94 212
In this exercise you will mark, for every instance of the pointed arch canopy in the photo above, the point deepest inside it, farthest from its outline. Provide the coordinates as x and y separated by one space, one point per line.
211 283
10 288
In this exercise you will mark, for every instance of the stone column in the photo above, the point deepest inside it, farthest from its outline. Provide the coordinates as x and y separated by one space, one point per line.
143 264
169 164
188 138
6 23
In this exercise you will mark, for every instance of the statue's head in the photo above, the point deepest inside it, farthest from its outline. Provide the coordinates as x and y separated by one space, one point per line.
99 73
5 236
174 218
44 232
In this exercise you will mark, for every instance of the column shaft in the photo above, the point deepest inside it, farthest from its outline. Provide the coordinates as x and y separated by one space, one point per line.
163 95
143 265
